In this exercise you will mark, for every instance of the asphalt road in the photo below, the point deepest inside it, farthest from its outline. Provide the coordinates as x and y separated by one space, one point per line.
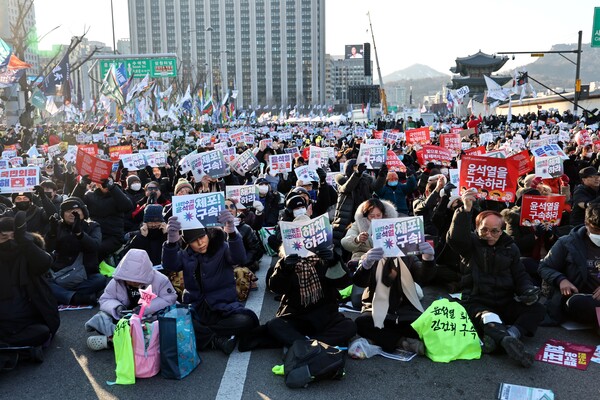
72 371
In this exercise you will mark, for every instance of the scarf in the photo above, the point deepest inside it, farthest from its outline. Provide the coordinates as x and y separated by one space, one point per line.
308 279
381 297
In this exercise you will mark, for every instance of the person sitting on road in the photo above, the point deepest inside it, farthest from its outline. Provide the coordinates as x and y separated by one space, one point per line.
493 275
391 297
572 268
28 310
207 264
122 295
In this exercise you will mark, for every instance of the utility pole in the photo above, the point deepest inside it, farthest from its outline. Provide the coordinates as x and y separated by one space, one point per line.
577 79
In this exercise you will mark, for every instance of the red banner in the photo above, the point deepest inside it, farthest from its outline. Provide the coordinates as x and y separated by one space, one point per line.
455 130
419 135
95 168
91 149
544 210
524 160
436 154
476 151
116 151
494 178
567 354
451 141
393 162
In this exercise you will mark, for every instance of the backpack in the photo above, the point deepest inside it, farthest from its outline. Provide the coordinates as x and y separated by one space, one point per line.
310 360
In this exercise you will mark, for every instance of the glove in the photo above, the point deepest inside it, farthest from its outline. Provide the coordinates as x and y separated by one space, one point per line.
325 254
371 257
152 198
149 171
226 218
173 228
21 228
426 250
448 187
410 171
108 183
54 220
362 167
258 206
530 296
291 261
136 310
77 227
119 310
540 230
322 175
383 171
85 180
39 191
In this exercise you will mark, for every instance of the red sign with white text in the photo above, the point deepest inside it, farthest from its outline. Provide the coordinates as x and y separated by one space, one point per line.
393 162
419 135
451 141
490 177
524 160
435 154
116 151
91 149
542 210
476 151
94 167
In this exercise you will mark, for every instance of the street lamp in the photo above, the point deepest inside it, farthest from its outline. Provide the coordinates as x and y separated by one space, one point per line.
209 47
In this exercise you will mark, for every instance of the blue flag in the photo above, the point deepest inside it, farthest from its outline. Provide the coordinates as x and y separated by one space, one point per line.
57 76
5 53
121 73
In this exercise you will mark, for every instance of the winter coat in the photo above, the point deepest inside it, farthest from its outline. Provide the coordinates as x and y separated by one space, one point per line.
151 243
582 194
208 277
65 246
352 191
425 207
362 224
397 195
106 208
270 215
492 275
253 246
136 267
565 260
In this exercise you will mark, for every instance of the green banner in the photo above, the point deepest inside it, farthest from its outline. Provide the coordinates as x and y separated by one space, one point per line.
139 67
596 28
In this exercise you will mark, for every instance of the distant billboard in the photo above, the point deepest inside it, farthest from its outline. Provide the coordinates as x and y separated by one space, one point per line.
354 51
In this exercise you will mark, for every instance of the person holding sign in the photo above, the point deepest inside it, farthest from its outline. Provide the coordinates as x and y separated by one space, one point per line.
207 264
390 302
572 268
585 194
493 276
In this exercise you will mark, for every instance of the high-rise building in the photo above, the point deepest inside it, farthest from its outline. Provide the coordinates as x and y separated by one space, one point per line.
271 51
9 12
346 72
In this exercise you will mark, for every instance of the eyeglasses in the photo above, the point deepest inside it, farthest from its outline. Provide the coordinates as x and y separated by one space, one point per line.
230 206
493 232
152 189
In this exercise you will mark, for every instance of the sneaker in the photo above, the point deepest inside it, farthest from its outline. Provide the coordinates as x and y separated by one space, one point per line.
97 343
36 354
414 345
516 350
225 344
488 345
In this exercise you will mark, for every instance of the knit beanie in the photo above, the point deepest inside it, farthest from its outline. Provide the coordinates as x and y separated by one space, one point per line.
7 224
131 179
183 183
73 203
29 195
153 213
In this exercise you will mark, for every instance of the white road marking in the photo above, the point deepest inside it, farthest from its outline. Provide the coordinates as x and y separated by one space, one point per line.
234 377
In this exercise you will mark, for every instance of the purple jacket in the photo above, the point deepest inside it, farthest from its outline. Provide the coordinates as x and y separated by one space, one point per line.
136 267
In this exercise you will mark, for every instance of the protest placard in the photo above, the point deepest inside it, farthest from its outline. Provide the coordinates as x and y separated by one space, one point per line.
229 154
566 354
548 167
306 173
16 162
156 158
280 162
375 142
305 238
96 168
236 137
71 154
330 179
134 161
91 149
465 132
549 150
213 164
249 139
318 157
509 391
112 140
393 162
524 160
39 161
490 176
8 154
198 210
419 136
436 154
157 145
3 164
476 151
220 146
542 210
17 180
116 151
398 236
243 194
263 144
245 162
373 156
451 141
294 151
485 138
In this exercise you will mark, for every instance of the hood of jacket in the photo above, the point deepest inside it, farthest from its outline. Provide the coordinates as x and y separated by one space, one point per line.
135 267
363 222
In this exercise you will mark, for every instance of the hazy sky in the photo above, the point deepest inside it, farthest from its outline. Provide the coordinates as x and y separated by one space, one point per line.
432 32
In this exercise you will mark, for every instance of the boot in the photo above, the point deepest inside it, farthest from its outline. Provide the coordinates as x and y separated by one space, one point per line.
223 343
516 350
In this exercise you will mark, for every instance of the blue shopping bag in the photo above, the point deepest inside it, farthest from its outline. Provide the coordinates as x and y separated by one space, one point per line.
178 355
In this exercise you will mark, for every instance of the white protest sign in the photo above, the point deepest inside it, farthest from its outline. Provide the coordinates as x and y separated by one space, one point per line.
17 180
280 162
306 173
195 211
548 167
243 194
398 236
133 162
305 238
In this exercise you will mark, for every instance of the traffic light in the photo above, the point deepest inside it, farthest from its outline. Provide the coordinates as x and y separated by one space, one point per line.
367 58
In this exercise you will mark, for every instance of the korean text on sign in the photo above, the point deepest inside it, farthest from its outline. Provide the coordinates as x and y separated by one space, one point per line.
306 237
198 210
398 236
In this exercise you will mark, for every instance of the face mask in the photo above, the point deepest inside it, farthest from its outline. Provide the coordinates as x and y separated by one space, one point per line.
393 183
136 186
273 173
400 157
588 155
263 189
22 205
301 211
49 195
236 222
595 239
